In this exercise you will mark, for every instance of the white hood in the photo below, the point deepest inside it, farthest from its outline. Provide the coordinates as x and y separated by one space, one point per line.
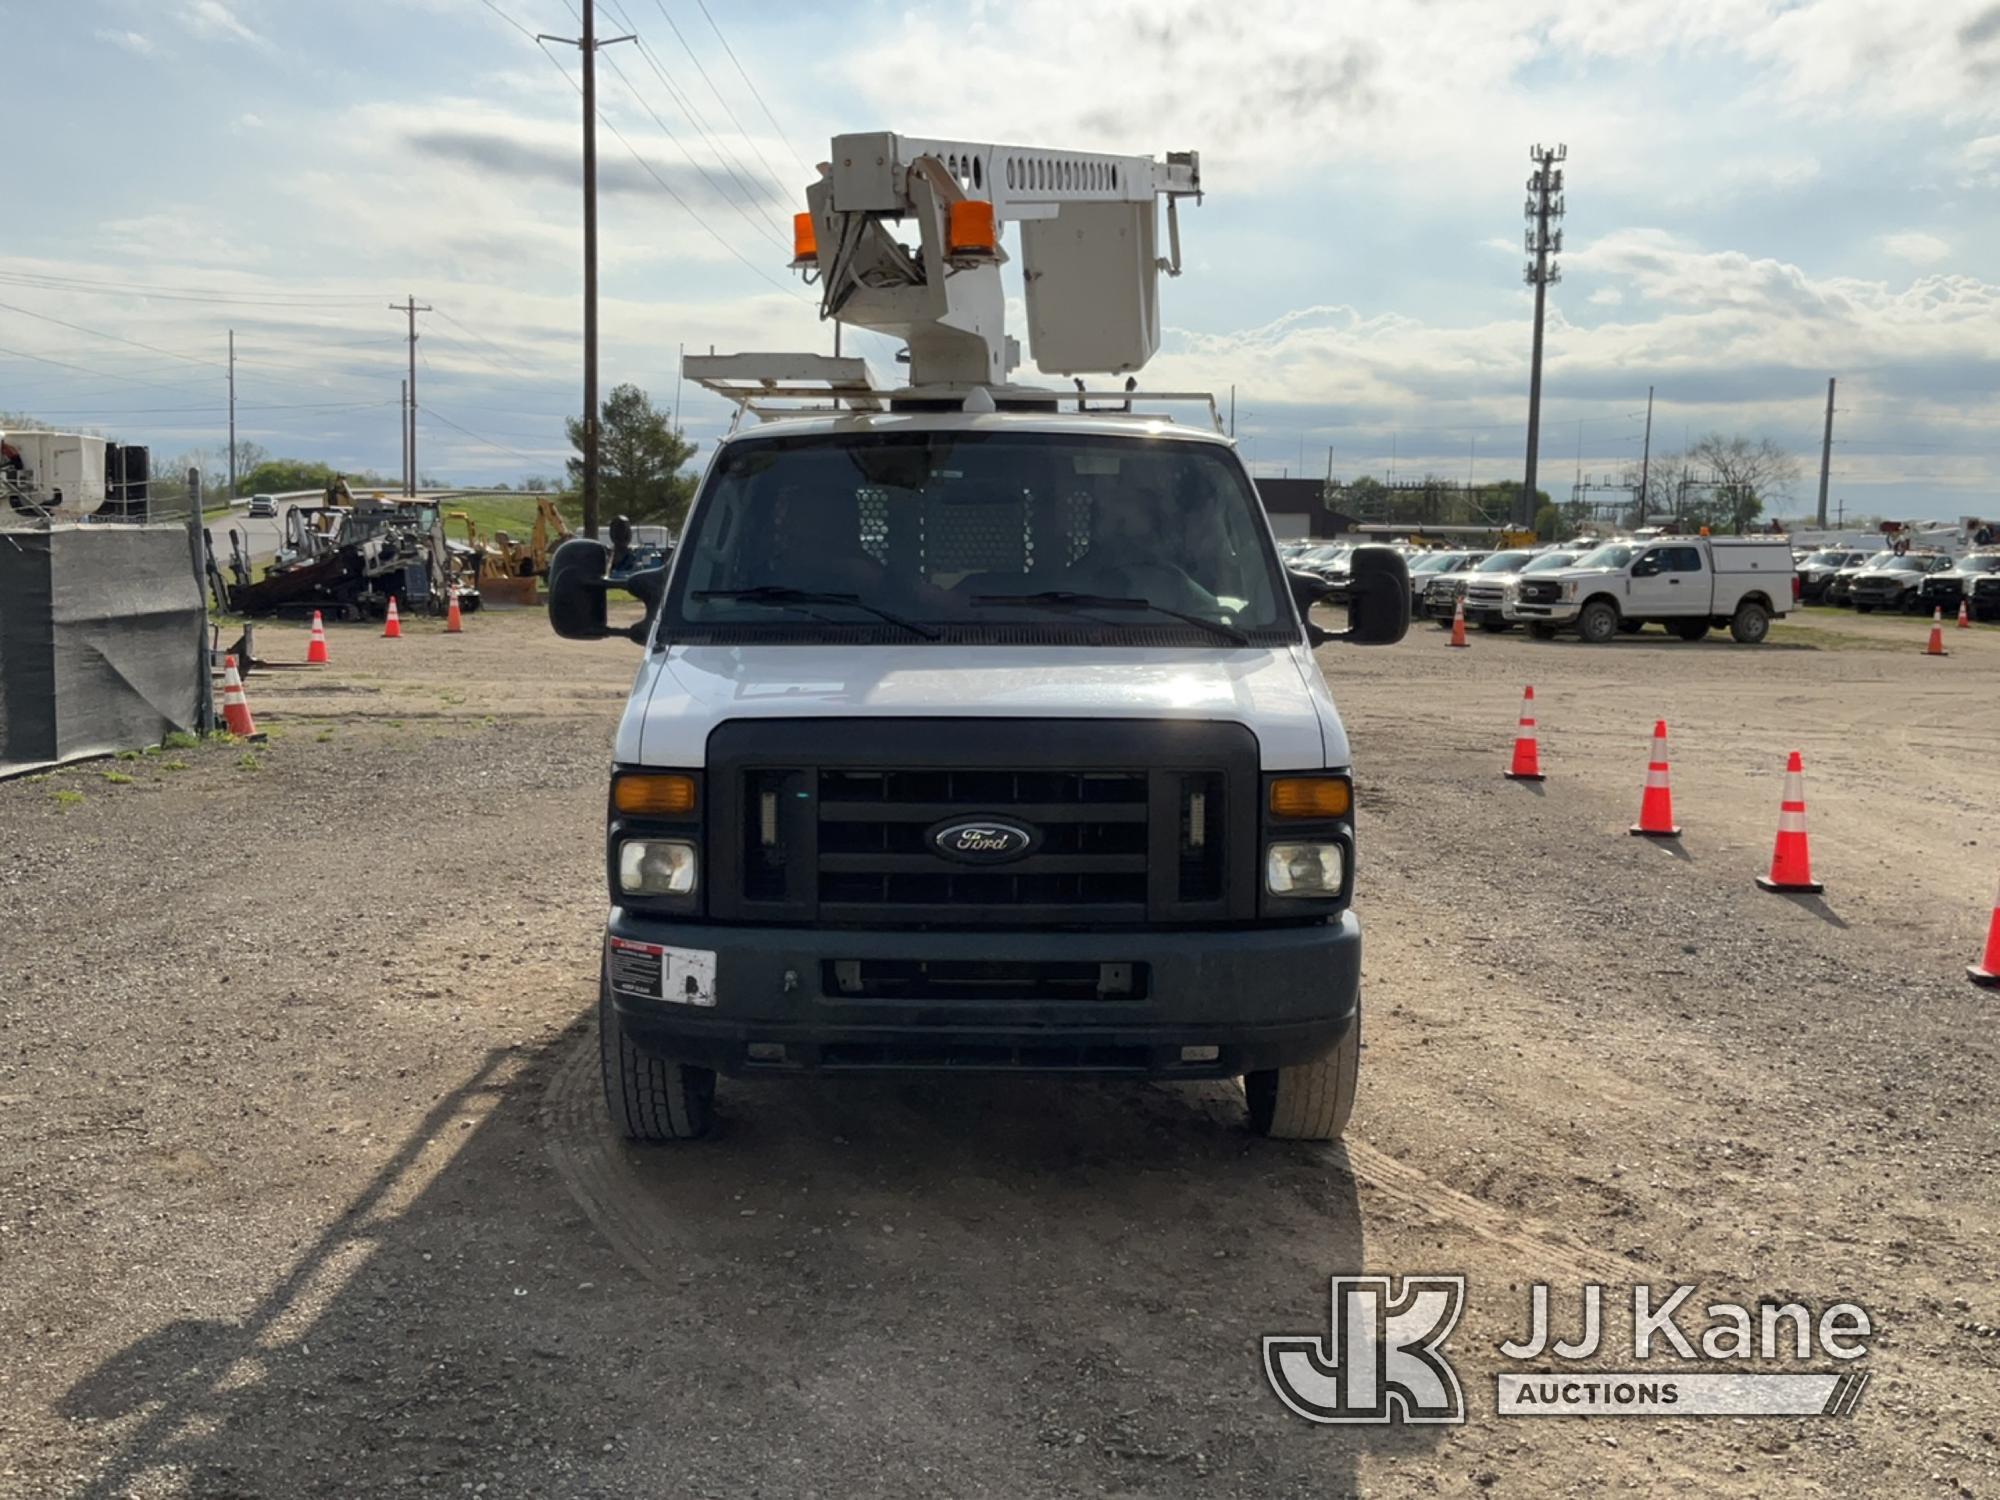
684 692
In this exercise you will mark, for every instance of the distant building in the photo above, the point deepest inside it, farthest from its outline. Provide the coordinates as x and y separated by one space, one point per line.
1297 510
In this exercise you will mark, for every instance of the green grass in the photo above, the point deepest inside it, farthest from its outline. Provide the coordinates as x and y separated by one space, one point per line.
173 765
117 778
180 740
67 799
248 762
513 514
323 736
1820 638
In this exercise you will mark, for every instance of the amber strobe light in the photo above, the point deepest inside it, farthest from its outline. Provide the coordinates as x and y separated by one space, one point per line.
805 239
654 794
971 230
1311 797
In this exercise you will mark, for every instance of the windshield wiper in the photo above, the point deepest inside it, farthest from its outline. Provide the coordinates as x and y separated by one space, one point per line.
1065 599
780 597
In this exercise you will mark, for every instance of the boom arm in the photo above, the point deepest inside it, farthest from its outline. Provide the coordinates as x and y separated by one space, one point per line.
1089 228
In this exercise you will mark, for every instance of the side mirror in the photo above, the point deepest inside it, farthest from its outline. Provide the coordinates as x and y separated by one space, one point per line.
1378 597
1306 592
1646 567
578 586
576 590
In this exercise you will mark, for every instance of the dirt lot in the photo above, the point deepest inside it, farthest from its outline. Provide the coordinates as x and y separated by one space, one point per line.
305 1187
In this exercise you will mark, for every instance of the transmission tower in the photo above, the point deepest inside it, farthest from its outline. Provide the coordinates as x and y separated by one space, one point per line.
1544 207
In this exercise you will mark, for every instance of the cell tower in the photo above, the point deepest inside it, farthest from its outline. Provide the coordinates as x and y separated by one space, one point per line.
1543 208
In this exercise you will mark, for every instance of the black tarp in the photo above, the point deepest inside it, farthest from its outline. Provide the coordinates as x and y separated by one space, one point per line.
100 641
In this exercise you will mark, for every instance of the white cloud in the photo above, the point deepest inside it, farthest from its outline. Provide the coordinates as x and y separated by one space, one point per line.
1606 296
131 41
249 121
211 19
1916 247
1979 160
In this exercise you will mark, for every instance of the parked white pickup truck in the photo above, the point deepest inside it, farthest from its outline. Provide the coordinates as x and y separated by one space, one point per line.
1688 584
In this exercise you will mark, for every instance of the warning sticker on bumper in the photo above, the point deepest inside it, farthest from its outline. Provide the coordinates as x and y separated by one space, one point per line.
681 976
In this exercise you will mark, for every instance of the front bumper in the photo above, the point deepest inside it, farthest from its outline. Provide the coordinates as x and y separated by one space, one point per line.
1262 997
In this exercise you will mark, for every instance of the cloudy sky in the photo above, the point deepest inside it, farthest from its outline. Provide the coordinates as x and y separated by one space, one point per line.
1760 195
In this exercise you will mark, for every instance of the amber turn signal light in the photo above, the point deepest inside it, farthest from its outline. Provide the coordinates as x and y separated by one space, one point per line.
1311 797
654 795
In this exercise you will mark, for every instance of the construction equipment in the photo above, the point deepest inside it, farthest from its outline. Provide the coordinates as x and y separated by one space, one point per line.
351 560
523 564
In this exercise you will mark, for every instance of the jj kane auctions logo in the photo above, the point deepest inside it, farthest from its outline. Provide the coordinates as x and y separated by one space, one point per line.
1383 1358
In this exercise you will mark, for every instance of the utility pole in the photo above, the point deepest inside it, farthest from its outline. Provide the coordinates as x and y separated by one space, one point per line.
681 364
588 45
1646 455
233 427
1232 411
410 398
1826 453
1544 206
403 433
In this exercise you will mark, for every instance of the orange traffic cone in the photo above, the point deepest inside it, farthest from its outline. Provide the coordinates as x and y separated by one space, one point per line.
316 648
1791 860
1987 974
1656 807
393 630
452 625
1458 624
235 707
1936 647
1964 616
1527 754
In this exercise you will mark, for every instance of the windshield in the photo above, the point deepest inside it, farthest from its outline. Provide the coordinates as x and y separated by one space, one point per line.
981 537
1504 562
1980 562
1615 555
1432 562
1548 562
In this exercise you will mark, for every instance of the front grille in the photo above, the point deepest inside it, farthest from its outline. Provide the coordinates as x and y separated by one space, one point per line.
833 821
875 849
1486 595
947 1052
1540 593
983 980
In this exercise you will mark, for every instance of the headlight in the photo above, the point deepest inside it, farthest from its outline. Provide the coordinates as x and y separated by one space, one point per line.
656 867
1305 869
1569 591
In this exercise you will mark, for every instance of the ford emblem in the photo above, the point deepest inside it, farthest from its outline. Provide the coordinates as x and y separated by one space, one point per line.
982 841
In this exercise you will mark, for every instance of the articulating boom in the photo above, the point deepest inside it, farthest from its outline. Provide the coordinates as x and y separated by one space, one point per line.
1088 246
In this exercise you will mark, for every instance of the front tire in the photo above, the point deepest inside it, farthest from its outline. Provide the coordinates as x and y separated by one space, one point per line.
1308 1101
650 1098
1752 622
1598 623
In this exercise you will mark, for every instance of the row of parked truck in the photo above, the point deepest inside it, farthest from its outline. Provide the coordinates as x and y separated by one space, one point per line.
1913 580
1687 584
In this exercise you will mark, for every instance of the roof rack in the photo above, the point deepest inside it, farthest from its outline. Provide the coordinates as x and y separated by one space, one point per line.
819 384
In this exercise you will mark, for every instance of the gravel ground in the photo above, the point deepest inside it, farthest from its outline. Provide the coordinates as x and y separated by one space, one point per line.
305 1187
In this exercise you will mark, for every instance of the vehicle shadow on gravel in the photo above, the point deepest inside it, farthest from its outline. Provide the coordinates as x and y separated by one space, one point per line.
933 1286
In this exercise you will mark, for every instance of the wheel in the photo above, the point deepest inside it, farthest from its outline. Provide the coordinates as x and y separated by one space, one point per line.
650 1098
1542 632
1494 627
1599 621
1310 1101
1690 630
1751 624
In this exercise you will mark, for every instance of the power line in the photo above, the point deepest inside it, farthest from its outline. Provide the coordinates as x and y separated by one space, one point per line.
433 414
114 338
769 233
50 281
668 189
752 87
748 139
475 333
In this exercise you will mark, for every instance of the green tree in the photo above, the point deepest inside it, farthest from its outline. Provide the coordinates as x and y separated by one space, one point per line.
1549 524
639 460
